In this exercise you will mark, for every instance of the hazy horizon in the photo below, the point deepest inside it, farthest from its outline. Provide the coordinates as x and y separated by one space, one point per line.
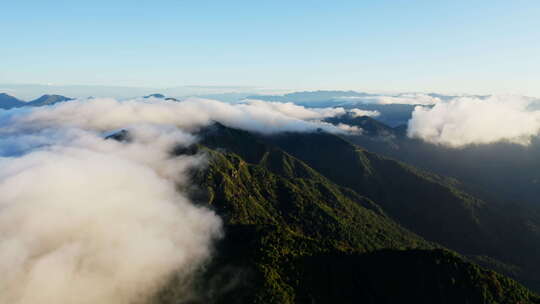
31 91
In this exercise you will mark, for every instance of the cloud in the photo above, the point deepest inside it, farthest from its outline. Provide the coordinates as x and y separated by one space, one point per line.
408 98
349 129
312 114
109 114
468 120
88 220
85 219
401 98
292 110
358 113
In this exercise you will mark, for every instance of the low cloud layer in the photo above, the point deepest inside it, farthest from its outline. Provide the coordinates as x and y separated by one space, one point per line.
85 219
468 120
401 98
408 98
358 113
295 111
110 114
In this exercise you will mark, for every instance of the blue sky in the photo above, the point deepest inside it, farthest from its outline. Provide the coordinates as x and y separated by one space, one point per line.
444 46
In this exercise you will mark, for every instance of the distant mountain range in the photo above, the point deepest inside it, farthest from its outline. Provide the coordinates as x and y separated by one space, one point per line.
48 100
343 98
8 101
312 96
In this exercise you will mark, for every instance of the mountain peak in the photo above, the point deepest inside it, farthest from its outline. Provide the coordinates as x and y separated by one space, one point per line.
155 95
48 100
6 95
7 101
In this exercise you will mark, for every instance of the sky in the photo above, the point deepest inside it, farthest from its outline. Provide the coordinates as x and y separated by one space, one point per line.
475 47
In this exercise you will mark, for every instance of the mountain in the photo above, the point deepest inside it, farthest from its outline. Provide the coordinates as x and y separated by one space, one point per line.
375 135
312 218
155 95
8 101
410 276
47 100
161 96
425 203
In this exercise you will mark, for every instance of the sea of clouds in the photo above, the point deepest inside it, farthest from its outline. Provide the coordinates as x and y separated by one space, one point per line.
86 219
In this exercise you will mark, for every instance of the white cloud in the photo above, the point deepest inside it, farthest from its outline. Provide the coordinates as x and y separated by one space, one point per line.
359 112
292 110
109 114
88 220
408 98
349 129
401 98
468 120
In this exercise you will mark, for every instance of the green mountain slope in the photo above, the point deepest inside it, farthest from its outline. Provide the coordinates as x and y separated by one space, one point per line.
295 236
424 203
412 276
251 182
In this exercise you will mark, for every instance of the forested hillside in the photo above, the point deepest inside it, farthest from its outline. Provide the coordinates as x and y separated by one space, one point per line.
311 218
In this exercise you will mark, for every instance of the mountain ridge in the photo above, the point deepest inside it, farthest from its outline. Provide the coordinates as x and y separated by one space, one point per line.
288 215
8 102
